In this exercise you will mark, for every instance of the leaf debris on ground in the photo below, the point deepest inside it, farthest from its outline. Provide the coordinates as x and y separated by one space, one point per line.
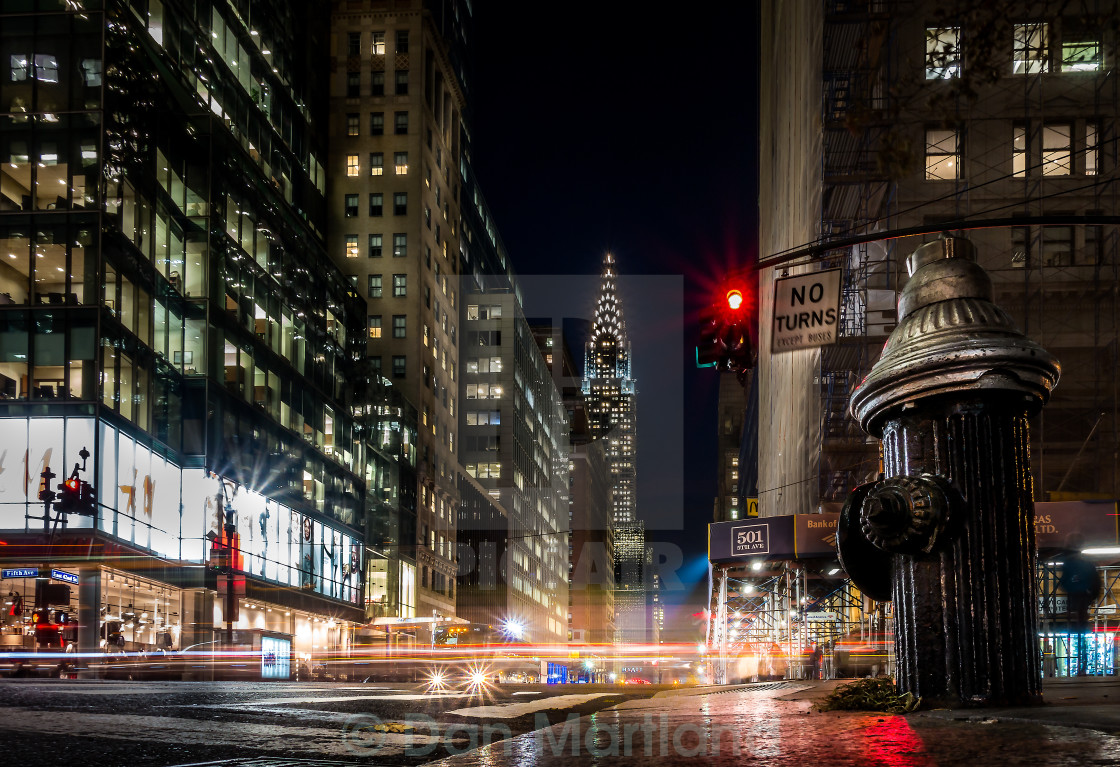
869 695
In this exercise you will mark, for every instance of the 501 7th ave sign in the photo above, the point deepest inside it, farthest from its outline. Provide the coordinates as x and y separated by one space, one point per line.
806 311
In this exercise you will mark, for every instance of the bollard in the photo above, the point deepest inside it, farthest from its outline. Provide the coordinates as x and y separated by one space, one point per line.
947 533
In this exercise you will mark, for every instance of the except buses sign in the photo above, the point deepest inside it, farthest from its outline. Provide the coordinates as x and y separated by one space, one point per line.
806 311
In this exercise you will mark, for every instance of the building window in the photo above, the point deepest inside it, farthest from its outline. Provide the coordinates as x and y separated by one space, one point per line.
354 44
352 165
400 163
402 41
1020 247
400 122
400 285
1091 149
428 217
376 163
402 82
375 326
1057 145
1031 49
1019 151
399 325
1083 54
352 124
375 365
374 246
353 85
374 287
1057 246
400 245
943 53
942 155
400 204
376 123
377 83
376 201
351 205
398 367
377 47
1094 244
351 246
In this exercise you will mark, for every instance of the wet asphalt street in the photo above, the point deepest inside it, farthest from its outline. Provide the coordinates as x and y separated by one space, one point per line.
165 724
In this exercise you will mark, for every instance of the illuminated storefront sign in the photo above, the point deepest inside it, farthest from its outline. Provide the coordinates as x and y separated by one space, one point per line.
154 504
276 654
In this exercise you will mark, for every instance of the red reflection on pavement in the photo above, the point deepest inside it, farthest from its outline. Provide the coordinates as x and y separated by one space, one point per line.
891 742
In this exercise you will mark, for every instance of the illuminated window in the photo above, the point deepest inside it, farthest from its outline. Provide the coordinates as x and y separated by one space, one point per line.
378 44
1091 149
1019 151
400 163
942 158
352 165
351 246
1031 52
1081 55
374 246
375 326
376 163
1057 145
943 53
352 125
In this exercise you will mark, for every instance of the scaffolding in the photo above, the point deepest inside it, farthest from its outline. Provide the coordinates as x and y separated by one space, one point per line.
764 622
1034 142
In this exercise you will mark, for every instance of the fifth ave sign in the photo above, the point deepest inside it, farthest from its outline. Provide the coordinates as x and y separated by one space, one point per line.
806 311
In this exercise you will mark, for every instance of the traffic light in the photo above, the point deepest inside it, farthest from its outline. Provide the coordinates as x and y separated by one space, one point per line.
69 496
727 329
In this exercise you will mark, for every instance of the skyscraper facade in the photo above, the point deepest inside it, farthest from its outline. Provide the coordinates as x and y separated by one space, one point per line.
174 341
397 96
997 120
610 391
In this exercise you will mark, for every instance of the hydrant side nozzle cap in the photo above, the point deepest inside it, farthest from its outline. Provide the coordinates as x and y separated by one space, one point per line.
946 247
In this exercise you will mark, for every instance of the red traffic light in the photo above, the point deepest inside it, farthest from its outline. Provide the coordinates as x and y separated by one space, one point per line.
73 485
734 299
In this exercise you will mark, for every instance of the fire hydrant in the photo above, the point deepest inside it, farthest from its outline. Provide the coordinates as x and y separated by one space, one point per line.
947 533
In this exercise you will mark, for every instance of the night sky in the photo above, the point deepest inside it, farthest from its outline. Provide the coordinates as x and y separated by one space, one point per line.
613 130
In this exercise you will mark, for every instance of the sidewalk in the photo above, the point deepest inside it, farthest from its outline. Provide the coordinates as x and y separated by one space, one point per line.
773 724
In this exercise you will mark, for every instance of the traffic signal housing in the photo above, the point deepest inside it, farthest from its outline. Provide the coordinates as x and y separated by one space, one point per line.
728 328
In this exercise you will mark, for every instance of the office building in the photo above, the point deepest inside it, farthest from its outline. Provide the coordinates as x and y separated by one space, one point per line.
996 121
397 96
610 391
174 341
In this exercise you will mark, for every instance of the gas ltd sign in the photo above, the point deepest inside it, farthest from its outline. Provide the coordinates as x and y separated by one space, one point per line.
806 311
